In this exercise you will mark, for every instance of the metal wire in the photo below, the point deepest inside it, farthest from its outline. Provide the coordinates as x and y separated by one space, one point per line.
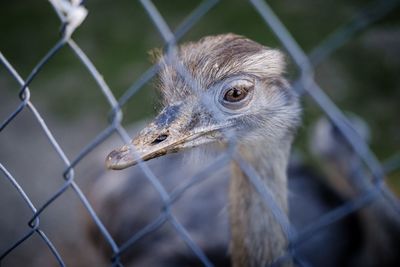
305 83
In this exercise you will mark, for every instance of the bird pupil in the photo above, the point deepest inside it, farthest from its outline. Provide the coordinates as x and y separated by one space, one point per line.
235 95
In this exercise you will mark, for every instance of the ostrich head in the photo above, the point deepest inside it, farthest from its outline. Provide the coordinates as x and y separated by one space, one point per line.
234 83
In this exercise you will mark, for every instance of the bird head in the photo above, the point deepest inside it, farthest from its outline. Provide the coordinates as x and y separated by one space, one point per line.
218 84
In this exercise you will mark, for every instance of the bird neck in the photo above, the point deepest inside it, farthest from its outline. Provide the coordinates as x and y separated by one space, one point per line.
257 237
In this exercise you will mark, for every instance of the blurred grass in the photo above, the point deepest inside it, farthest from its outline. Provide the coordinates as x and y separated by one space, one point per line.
362 76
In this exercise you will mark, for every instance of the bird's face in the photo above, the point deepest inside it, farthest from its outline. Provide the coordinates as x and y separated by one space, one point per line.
235 88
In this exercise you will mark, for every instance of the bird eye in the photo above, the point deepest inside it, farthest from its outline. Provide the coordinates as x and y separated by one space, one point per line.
236 94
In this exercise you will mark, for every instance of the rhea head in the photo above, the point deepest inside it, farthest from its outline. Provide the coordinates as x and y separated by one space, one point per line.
218 83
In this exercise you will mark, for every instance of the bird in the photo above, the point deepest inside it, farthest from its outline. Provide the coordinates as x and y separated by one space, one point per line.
242 81
221 90
345 174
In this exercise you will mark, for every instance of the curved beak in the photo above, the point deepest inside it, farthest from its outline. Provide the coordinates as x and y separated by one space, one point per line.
171 131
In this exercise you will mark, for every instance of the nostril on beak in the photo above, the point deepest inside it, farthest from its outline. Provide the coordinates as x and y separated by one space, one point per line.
159 139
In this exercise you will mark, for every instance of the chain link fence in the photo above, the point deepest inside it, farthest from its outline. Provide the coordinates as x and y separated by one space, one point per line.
73 13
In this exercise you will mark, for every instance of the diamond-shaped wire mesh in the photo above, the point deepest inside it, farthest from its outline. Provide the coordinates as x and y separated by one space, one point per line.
72 14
